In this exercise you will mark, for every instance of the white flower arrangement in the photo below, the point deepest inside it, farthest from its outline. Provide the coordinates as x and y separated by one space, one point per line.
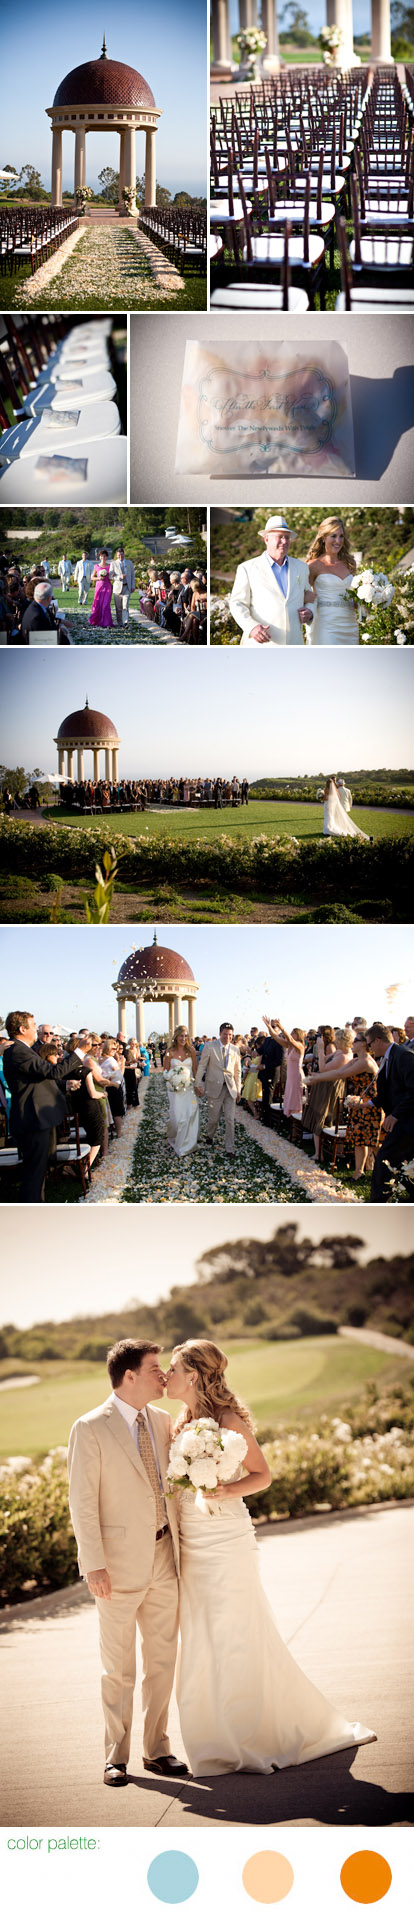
331 37
372 588
204 1456
178 1081
251 41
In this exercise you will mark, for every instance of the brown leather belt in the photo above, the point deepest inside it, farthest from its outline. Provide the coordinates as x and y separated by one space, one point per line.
161 1531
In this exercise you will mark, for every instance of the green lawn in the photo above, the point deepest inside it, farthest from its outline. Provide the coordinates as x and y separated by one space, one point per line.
273 819
292 1382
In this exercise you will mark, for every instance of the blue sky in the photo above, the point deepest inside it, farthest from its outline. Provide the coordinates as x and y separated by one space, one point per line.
316 12
105 1255
304 974
217 712
166 42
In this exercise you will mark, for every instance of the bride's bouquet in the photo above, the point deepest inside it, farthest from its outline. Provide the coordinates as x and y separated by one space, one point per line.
369 591
204 1456
178 1079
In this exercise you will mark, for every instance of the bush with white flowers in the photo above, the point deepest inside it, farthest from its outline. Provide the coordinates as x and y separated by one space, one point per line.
204 1456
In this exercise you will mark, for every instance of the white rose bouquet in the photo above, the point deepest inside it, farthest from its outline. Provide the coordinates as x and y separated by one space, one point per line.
178 1080
202 1457
372 588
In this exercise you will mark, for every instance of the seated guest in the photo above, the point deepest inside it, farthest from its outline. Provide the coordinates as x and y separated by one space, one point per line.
39 622
37 1103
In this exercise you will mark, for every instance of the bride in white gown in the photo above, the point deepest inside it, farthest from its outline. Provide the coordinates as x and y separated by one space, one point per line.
336 819
331 569
183 1110
245 1705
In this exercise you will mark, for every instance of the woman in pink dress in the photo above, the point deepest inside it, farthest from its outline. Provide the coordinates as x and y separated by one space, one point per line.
295 1048
101 607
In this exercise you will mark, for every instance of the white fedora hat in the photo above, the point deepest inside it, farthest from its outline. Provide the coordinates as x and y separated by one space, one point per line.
278 524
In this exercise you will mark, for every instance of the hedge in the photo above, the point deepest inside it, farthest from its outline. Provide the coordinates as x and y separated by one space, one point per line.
341 869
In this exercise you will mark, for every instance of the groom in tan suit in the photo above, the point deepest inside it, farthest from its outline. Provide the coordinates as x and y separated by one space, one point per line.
128 1551
220 1066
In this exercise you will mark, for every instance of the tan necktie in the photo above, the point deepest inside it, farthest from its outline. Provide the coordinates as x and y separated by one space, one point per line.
147 1456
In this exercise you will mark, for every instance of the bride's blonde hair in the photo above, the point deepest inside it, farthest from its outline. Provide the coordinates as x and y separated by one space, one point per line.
212 1395
317 547
178 1035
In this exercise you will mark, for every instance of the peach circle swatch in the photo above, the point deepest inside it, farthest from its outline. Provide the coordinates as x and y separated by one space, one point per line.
268 1877
366 1877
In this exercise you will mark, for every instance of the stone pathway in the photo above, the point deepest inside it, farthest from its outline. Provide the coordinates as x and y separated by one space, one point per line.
108 1180
112 260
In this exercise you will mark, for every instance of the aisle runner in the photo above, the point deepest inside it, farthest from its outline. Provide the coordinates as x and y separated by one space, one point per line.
108 258
108 1180
319 1185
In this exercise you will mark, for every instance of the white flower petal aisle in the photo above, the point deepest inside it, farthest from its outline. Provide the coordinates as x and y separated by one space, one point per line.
305 1174
107 255
109 1179
264 1168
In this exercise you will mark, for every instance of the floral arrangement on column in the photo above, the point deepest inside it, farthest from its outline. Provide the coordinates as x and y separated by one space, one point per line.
331 39
128 196
82 195
251 41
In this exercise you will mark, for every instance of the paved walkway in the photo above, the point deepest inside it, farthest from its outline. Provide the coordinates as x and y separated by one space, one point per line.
106 260
339 1587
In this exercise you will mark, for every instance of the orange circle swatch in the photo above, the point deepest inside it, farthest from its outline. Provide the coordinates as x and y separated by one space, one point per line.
268 1877
366 1877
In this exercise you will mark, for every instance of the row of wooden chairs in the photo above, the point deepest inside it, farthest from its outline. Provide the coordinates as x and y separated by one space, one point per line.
180 231
28 235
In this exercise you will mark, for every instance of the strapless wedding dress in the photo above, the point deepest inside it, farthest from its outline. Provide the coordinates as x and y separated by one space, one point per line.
337 822
183 1110
335 621
245 1705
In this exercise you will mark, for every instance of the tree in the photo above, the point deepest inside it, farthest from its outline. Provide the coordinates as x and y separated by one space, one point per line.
109 182
297 23
31 182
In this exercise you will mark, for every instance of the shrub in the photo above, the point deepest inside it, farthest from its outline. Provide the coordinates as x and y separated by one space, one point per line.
37 1545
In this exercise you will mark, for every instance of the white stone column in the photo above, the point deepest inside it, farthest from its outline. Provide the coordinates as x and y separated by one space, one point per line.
80 157
381 31
121 169
114 766
57 166
191 1017
339 14
96 766
177 1010
108 765
150 167
221 33
61 761
80 766
269 25
140 1020
170 1021
248 13
70 766
122 1017
130 162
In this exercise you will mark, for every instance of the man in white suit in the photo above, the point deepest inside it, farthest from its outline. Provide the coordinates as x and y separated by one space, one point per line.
271 594
123 574
82 574
65 571
221 1068
128 1551
345 795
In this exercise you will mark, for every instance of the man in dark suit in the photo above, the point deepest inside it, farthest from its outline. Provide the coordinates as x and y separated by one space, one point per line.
40 616
395 1093
37 1102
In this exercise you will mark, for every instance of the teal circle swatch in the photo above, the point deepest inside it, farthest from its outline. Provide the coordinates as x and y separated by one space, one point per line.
173 1877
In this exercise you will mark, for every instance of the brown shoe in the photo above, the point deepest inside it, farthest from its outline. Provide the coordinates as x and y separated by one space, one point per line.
169 1766
115 1775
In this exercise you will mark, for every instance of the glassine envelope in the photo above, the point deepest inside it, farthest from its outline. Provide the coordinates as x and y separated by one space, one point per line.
262 409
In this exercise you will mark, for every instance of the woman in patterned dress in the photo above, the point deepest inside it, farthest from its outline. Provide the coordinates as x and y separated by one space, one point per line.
364 1116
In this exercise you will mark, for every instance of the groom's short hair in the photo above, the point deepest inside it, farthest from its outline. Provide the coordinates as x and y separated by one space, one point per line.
225 1025
128 1353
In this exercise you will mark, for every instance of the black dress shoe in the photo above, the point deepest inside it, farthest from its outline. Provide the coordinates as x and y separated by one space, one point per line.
115 1775
169 1766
